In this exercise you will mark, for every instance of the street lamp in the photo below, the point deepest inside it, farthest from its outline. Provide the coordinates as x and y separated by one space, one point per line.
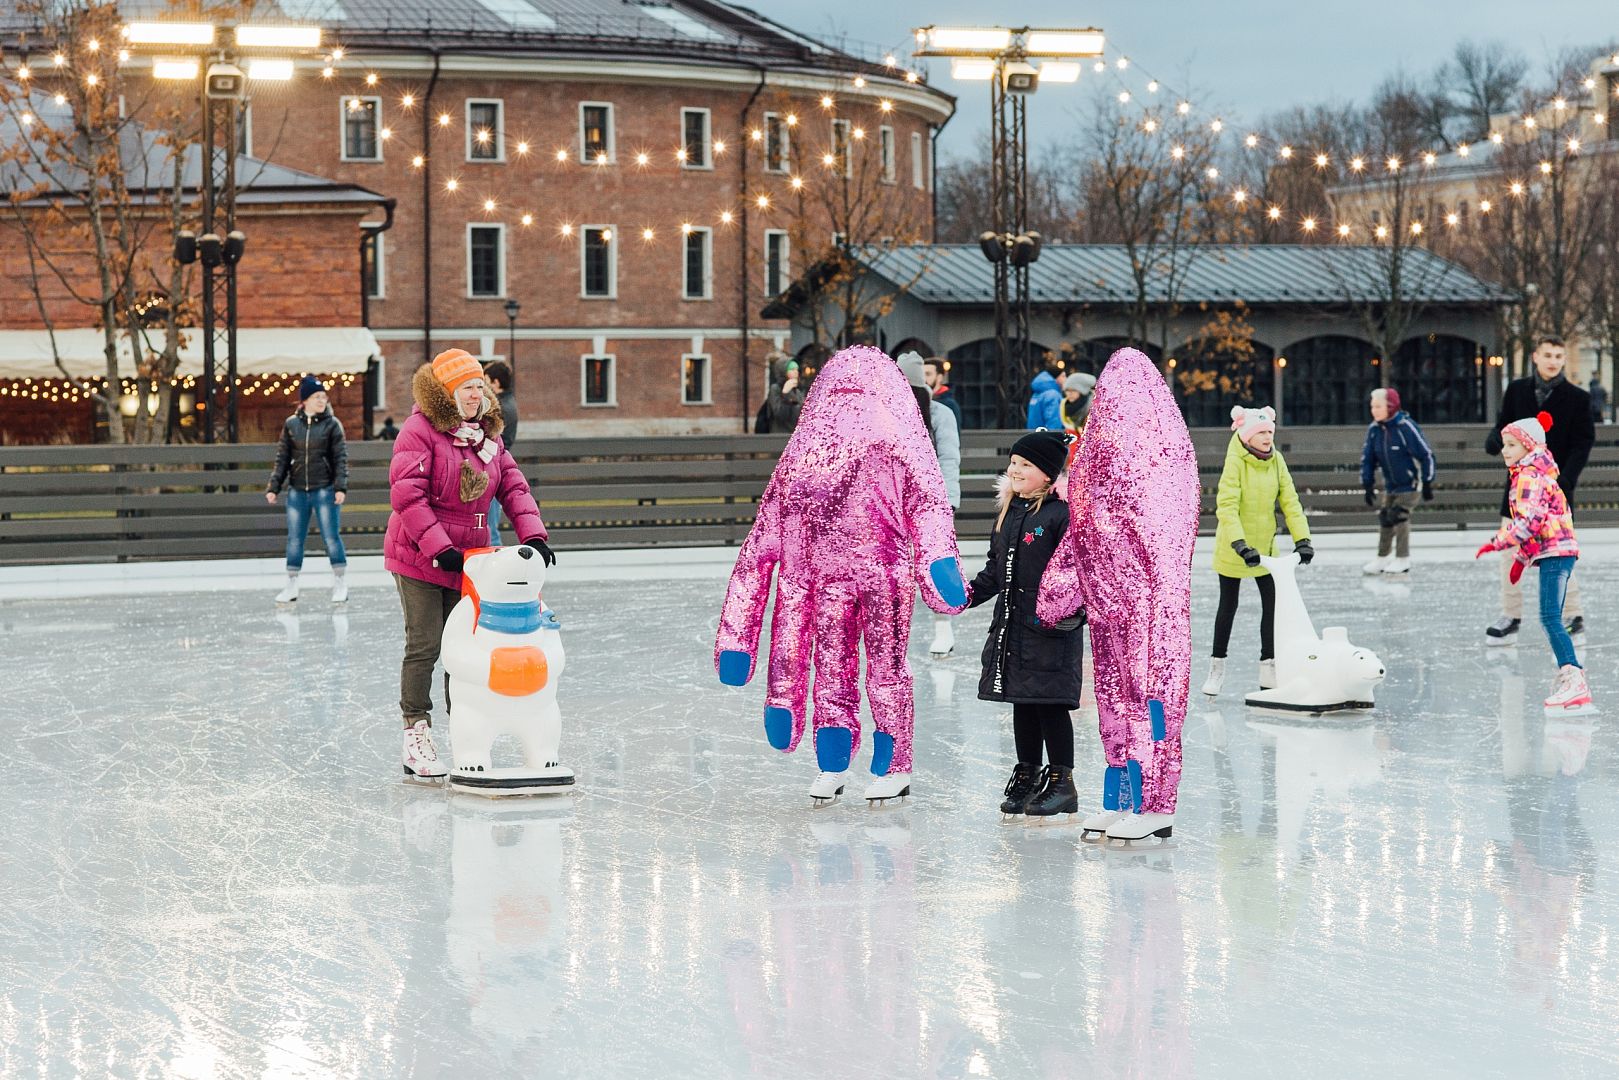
1004 57
512 308
223 93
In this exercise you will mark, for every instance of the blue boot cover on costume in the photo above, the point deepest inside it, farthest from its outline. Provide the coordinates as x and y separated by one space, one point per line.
833 748
778 726
882 753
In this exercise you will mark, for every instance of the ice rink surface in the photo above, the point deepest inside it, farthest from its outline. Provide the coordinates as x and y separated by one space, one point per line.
213 868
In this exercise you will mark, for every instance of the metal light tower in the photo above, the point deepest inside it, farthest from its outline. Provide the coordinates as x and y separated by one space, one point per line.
1002 56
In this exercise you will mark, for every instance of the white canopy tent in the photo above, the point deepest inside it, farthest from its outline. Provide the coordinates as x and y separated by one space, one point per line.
325 350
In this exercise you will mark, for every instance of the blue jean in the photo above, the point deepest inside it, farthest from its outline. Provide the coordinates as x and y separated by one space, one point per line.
324 504
494 524
1554 572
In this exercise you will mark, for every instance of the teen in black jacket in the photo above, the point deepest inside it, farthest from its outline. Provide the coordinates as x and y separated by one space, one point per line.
312 463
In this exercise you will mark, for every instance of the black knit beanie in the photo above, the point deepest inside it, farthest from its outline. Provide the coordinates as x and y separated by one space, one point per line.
1045 450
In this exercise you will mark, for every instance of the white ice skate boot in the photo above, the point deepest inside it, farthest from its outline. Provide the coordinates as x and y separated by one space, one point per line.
896 785
1570 694
1097 825
421 757
944 639
1267 674
827 786
1216 679
1397 567
340 591
1504 631
1141 826
289 593
1377 565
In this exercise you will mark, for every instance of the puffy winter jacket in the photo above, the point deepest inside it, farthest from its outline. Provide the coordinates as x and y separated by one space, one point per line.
947 397
1396 446
947 443
312 454
1024 660
1045 403
1542 526
1250 488
441 492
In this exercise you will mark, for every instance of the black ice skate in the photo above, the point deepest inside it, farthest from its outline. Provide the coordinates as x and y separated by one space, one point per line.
1023 785
1057 796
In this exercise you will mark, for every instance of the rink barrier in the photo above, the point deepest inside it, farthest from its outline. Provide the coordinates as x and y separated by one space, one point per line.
122 503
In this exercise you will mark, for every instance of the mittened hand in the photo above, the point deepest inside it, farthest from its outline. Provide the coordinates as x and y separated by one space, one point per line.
451 559
1244 552
1516 572
545 551
1305 552
1427 493
1485 548
1370 498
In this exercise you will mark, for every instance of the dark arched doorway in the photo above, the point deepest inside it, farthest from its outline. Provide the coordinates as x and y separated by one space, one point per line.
1327 380
1209 381
1440 378
972 377
1093 354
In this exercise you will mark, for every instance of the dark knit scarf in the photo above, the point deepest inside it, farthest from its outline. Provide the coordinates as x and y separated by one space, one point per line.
1262 455
1544 387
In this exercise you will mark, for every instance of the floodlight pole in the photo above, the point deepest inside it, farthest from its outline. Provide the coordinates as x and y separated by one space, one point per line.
219 141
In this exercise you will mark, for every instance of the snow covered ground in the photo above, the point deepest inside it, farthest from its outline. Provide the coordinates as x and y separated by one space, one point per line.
212 867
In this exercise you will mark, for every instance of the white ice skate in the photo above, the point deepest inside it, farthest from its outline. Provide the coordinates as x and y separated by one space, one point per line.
944 639
827 786
1216 679
1570 695
1096 826
289 592
1141 826
1377 565
1397 567
896 785
421 756
1267 674
340 591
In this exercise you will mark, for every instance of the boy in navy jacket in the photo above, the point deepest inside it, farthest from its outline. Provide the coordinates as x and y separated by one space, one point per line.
1395 446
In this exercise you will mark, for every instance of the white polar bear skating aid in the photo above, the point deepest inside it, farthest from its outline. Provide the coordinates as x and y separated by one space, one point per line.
502 649
1314 674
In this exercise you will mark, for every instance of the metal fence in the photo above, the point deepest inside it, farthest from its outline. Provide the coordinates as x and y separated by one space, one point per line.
123 503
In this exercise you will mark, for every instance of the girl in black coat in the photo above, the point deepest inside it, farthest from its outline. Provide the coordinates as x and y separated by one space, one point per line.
1033 666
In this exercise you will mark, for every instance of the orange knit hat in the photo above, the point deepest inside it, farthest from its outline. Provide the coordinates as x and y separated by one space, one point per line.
452 367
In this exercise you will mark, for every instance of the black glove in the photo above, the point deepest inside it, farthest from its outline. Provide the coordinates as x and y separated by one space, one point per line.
1073 622
1370 498
545 552
1305 551
1245 553
1427 491
451 559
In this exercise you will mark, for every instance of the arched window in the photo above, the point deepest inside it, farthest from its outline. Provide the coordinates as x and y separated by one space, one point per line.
1440 379
1328 380
1207 382
1093 354
972 377
912 344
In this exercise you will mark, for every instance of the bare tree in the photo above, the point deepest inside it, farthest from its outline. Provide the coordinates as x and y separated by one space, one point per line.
1481 79
965 197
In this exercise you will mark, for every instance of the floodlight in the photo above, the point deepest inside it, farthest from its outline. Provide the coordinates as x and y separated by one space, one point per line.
181 70
1059 71
278 37
969 39
266 70
169 33
972 70
1064 43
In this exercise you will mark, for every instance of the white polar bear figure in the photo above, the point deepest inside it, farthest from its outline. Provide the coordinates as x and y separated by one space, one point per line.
1313 674
502 649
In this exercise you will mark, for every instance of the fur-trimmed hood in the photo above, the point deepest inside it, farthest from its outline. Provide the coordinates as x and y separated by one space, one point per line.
439 407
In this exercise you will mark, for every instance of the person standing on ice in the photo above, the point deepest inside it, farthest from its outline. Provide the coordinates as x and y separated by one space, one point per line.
1076 400
855 518
1255 479
312 463
1396 448
1540 531
448 464
946 437
1031 664
1045 402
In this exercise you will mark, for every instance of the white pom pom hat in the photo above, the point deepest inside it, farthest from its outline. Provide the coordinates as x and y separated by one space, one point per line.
1250 422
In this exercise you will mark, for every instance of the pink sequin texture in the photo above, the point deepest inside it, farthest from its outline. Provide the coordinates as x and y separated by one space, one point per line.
850 524
1134 493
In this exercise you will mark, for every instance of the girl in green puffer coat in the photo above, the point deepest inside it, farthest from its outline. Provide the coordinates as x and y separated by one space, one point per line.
1254 480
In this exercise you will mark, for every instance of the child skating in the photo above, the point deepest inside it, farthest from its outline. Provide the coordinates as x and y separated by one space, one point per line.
1396 448
1540 531
1031 664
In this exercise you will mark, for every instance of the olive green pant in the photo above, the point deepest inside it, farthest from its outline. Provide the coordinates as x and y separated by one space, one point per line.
1397 538
427 608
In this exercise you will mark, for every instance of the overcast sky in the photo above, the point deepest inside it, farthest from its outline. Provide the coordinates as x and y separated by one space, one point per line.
1249 57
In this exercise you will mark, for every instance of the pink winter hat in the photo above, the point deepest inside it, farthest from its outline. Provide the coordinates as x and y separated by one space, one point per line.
1248 423
1389 396
1531 430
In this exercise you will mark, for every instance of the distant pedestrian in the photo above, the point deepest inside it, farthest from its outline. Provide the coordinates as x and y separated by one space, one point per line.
499 378
934 369
389 430
1076 400
1396 448
312 464
1599 400
1045 402
946 438
784 399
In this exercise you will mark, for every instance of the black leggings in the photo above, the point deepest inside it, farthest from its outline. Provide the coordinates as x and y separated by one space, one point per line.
1048 724
1228 612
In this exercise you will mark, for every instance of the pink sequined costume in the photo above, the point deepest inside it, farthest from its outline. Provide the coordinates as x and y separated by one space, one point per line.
854 518
1134 494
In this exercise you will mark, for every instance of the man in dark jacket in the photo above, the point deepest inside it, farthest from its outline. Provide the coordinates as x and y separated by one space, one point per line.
499 378
785 398
1569 437
933 369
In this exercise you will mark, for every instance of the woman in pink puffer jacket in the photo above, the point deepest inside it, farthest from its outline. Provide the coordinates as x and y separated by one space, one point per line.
448 464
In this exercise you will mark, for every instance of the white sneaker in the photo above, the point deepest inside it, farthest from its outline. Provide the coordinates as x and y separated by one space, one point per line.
1216 679
340 591
827 786
1570 694
289 593
896 785
1100 823
1398 566
944 639
1141 826
1376 565
1267 674
421 757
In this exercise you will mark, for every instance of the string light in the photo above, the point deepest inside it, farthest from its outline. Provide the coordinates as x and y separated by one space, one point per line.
1381 232
826 101
1545 168
680 155
1308 224
859 82
1321 161
1497 138
94 45
792 119
1286 153
385 134
60 99
859 133
829 160
1453 219
1184 107
418 161
763 201
1123 62
1516 187
1152 87
489 206
92 79
59 60
1356 164
123 56
1416 228
1529 122
1239 196
1573 145
601 157
1150 126
370 78
562 155
885 105
685 228
1212 173
1429 158
889 60
797 183
1217 126
337 54
911 77
1485 206
451 184
327 72
1124 97
642 158
1463 150
1343 231
726 217
408 101
23 73
1392 164
1559 104
1274 213
522 149
646 235
444 119
567 229
1251 141
1178 152
719 146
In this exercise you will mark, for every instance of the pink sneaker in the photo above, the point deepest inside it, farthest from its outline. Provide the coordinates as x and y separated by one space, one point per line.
1569 693
420 756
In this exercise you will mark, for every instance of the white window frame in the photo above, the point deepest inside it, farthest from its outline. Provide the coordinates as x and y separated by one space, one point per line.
707 164
612 380
708 264
244 132
499 132
380 247
612 132
343 123
888 151
779 123
708 378
612 263
500 229
786 260
918 170
846 145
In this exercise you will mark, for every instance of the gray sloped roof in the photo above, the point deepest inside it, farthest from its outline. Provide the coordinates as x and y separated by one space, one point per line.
1099 274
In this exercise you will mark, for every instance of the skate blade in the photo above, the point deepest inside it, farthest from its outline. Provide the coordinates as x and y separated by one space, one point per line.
1559 712
426 781
941 655
879 801
1159 834
818 801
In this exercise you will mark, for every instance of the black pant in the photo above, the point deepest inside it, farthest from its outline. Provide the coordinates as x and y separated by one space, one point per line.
1228 612
1050 724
